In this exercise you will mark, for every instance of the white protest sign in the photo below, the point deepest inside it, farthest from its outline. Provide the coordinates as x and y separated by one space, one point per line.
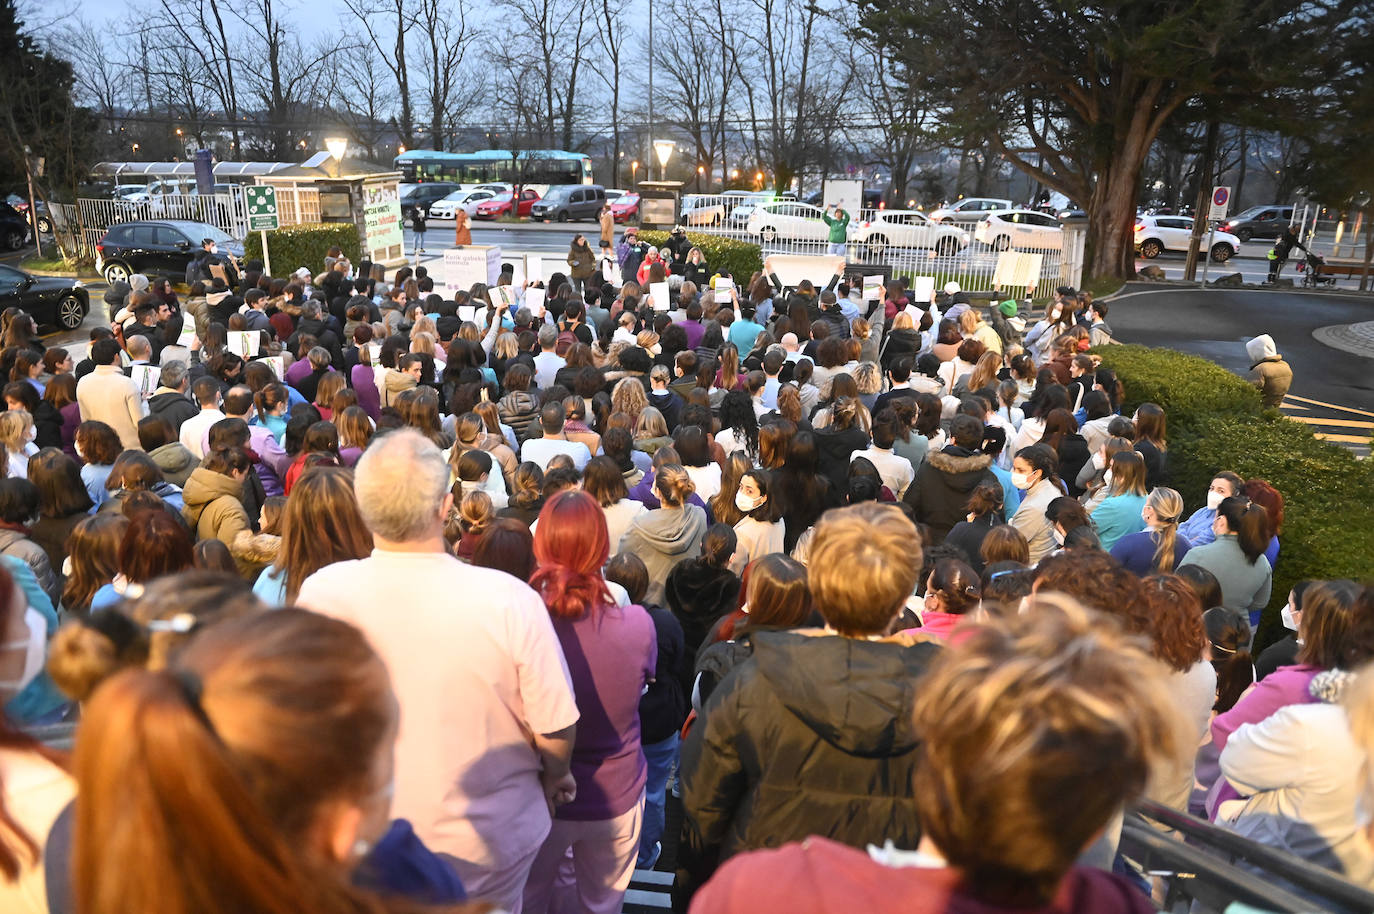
467 313
245 343
278 365
534 300
146 377
845 192
188 334
873 288
500 294
534 268
661 296
923 289
466 266
791 269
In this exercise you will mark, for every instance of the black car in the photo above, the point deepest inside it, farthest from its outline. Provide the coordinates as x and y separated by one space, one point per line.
420 197
160 247
50 300
14 228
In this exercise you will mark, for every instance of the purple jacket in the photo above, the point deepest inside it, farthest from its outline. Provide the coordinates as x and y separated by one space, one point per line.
695 330
365 385
71 418
1285 686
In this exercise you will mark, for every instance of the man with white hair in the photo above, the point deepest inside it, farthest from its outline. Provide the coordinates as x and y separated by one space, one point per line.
487 710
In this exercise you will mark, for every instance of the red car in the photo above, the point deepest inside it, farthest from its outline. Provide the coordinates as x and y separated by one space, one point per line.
625 207
499 205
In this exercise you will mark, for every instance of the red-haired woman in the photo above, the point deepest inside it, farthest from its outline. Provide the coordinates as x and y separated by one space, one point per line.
611 652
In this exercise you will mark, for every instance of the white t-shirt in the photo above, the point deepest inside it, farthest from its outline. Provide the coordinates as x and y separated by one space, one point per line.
619 516
542 450
706 479
476 668
895 470
35 793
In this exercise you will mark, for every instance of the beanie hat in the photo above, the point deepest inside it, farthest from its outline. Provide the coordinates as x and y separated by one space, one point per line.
138 282
1008 308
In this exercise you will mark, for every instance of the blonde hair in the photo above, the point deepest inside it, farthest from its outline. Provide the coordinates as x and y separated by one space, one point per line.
868 377
475 512
420 341
864 563
1055 702
1168 507
903 321
14 424
628 397
650 424
507 346
968 322
673 485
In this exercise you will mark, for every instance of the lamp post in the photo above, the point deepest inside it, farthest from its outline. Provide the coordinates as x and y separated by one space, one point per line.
634 172
758 179
701 170
338 147
664 150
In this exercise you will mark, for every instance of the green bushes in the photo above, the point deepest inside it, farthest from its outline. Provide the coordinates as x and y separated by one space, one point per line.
295 246
1216 423
741 258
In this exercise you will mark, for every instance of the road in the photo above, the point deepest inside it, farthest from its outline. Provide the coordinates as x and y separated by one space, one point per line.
1333 390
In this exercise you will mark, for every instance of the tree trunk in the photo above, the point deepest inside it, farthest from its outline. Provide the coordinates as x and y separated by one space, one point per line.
1241 169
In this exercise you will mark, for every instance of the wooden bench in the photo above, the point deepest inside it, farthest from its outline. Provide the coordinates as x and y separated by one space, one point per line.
1350 268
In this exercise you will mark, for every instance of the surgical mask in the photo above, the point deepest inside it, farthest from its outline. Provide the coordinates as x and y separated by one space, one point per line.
1214 499
747 504
1099 461
1058 535
214 249
1288 621
1020 480
1107 478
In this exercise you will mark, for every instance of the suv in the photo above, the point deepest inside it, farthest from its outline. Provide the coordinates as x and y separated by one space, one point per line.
14 228
1259 222
970 210
570 201
421 196
156 248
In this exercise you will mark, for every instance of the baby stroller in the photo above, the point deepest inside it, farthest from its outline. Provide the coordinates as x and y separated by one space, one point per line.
1311 270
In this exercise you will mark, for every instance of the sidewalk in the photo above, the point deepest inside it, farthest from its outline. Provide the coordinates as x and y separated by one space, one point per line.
1357 339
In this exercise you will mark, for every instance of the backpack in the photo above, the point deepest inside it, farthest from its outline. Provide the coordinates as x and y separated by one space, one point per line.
566 341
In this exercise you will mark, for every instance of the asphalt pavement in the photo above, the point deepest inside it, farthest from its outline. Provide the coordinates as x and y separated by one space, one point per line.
1333 388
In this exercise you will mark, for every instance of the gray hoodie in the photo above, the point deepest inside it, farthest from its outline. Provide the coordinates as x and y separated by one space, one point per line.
662 538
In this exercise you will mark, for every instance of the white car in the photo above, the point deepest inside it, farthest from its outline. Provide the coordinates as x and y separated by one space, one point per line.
702 210
907 228
466 200
787 220
969 210
1022 229
1156 234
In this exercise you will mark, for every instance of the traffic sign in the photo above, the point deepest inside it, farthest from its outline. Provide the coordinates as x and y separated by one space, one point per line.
1221 202
262 208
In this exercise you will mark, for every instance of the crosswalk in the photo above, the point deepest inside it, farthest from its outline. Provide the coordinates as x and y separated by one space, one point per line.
1344 425
649 892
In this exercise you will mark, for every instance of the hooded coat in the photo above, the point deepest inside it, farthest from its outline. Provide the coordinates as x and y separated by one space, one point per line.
172 405
811 736
700 594
214 508
175 461
662 538
1268 371
939 493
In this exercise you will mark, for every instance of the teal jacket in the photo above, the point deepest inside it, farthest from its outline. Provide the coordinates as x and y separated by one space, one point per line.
839 226
1117 516
40 698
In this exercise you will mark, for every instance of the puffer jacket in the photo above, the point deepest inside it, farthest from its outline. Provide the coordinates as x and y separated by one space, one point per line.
520 410
811 736
214 506
15 543
393 384
939 493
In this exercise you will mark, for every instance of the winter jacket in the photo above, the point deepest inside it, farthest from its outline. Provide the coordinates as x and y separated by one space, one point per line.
16 543
214 508
811 736
699 594
520 410
175 461
663 707
51 534
173 406
582 262
968 535
940 491
108 395
836 446
393 383
1245 585
1268 371
662 538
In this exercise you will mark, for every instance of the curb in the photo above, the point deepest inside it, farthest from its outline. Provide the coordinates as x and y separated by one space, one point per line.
1356 339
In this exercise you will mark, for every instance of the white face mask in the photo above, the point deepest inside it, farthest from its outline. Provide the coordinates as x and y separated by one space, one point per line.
214 249
1288 621
1020 480
1214 499
1107 478
1099 461
1058 535
747 504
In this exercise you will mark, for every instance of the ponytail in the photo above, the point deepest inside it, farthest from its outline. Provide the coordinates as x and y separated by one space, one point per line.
1168 507
1229 634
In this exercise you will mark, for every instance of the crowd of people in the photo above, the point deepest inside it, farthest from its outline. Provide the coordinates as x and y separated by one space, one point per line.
376 598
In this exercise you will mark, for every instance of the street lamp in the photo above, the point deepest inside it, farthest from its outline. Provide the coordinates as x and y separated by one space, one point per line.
758 179
634 172
701 170
337 147
400 150
135 147
664 150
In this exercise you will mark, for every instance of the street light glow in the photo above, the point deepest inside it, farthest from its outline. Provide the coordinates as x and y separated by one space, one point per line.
337 147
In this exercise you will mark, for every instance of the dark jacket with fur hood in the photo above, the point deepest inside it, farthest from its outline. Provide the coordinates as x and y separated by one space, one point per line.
939 493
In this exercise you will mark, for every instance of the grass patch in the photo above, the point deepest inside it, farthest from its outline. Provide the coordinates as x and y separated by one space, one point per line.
1102 286
49 264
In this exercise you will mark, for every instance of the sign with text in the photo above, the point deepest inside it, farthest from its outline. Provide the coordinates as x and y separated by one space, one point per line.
791 269
466 266
382 227
262 208
663 299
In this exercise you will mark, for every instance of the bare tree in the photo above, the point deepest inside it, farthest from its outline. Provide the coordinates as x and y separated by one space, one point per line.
359 103
548 44
104 81
697 89
901 116
402 16
611 33
282 74
449 36
203 24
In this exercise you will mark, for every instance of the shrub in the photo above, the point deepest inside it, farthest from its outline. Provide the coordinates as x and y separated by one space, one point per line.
1215 423
295 246
741 258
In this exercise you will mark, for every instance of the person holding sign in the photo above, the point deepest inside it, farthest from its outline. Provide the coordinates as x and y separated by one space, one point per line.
837 217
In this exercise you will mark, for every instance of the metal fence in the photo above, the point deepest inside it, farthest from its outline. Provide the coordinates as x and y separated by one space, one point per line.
1003 257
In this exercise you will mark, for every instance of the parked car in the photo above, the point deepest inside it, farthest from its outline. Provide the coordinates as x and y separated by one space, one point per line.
788 221
969 210
1267 221
418 197
466 200
499 205
42 223
14 228
566 202
702 210
625 207
156 248
740 205
128 191
50 300
1020 229
907 228
1156 234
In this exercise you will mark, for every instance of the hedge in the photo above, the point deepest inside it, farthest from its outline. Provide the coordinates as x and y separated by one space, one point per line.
296 246
741 258
1216 423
